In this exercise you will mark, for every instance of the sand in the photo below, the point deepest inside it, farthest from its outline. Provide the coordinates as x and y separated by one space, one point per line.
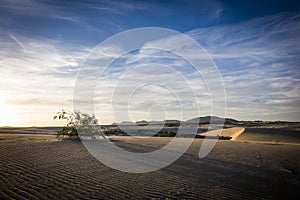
234 132
42 167
271 135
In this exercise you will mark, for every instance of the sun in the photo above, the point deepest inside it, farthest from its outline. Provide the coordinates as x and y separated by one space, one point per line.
6 112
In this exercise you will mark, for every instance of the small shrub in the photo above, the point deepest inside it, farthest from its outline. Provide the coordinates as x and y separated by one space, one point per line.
87 124
166 134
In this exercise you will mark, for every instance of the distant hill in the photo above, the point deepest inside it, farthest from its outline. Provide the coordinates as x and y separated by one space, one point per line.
173 123
142 123
203 121
213 120
127 123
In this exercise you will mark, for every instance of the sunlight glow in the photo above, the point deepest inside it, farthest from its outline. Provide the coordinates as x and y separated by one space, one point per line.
6 111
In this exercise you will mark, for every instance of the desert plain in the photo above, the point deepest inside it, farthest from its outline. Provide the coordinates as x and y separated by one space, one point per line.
262 163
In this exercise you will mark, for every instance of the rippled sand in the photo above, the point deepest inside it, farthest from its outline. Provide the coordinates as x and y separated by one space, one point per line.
42 167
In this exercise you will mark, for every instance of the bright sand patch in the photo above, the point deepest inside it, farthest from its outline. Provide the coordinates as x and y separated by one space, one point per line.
234 133
41 167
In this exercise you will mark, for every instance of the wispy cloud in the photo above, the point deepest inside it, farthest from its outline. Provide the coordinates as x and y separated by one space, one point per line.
39 78
260 65
155 77
119 7
258 60
62 10
20 43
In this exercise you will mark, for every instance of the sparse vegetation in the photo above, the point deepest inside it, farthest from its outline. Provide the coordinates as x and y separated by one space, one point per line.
166 134
75 121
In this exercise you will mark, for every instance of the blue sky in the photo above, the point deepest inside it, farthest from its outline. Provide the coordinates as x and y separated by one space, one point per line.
255 45
71 21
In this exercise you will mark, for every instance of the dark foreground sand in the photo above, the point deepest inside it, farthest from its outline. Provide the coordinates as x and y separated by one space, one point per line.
41 167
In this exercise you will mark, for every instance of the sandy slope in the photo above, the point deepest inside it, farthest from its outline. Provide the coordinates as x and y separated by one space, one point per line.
271 135
234 132
40 167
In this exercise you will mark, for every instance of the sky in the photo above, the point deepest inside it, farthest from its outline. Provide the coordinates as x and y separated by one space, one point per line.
254 44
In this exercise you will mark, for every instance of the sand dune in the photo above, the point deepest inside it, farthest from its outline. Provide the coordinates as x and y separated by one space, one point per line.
271 135
234 133
41 167
260 135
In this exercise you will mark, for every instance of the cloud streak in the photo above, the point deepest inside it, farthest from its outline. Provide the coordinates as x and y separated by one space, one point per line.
259 62
40 77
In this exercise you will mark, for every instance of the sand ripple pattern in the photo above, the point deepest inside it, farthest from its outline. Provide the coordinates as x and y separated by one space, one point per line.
40 167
